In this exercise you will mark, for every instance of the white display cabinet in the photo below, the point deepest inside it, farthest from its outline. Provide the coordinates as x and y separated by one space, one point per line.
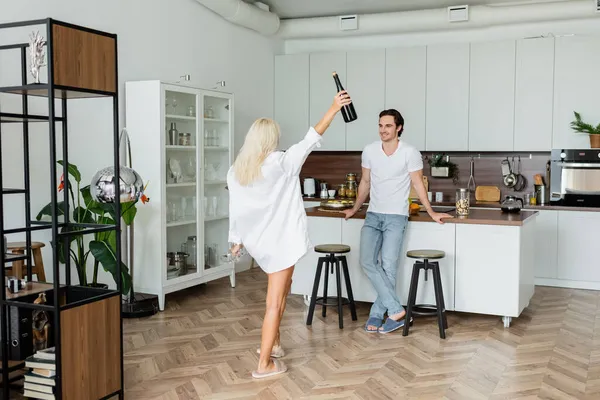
185 173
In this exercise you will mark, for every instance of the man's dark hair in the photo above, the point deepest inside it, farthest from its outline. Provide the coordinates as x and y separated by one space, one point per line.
398 119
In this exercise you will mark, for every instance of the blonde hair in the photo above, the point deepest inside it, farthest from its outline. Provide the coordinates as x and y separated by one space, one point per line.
261 140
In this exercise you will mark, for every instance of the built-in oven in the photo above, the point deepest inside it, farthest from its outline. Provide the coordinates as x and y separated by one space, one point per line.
575 177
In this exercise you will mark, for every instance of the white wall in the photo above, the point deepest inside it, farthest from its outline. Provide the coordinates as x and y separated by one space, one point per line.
157 39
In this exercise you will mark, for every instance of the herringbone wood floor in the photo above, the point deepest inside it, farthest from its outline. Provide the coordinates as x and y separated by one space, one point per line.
203 346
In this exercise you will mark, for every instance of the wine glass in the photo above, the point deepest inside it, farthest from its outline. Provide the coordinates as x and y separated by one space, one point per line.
174 104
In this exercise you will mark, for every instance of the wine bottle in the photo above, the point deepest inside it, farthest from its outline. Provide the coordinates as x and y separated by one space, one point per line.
348 111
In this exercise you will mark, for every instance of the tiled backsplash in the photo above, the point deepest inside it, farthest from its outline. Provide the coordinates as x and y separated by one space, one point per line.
332 168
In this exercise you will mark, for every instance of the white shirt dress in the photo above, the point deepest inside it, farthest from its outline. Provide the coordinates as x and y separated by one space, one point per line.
268 216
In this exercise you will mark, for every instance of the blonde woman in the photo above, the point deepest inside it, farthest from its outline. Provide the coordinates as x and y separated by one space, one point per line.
267 217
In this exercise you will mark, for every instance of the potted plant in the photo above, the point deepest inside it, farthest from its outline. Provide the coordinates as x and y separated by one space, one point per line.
582 127
103 246
442 167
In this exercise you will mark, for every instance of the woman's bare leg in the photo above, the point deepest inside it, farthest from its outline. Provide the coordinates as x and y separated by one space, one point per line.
277 290
289 289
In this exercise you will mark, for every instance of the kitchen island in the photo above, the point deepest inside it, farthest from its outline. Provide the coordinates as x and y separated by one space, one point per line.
488 268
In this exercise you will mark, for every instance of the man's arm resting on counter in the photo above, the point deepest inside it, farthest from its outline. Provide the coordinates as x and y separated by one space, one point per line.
363 189
417 180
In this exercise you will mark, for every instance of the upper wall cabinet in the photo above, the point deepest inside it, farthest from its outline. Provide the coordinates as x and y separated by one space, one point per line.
447 121
576 88
366 85
534 90
322 92
492 96
291 97
406 88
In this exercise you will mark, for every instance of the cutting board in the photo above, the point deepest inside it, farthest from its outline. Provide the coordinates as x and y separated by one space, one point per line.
413 193
487 193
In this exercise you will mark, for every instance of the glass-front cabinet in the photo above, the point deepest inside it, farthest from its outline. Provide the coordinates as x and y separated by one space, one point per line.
182 146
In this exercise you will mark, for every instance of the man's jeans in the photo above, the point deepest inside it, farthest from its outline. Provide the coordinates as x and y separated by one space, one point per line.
385 233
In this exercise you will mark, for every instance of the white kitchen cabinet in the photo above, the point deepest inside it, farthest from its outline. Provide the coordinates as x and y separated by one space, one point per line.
291 101
576 88
187 183
488 282
546 244
534 89
578 234
447 120
322 92
366 85
428 235
492 96
406 90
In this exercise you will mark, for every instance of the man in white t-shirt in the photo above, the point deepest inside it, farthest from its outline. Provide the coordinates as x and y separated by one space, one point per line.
389 166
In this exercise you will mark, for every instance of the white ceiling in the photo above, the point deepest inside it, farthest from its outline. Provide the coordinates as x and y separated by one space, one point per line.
320 8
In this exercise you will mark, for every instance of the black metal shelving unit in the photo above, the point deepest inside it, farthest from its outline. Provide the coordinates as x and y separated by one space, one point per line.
68 304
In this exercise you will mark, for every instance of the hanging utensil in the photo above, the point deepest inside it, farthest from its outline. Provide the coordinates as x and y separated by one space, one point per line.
472 176
509 178
521 180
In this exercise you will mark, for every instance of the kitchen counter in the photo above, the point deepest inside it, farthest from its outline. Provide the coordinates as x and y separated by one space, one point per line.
476 216
488 267
494 204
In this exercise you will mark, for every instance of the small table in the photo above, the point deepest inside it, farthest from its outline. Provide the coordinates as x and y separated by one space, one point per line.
38 263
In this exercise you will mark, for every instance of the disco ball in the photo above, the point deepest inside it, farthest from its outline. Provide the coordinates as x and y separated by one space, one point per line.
103 189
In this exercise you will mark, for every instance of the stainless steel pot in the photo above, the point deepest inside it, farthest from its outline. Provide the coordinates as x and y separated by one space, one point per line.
180 261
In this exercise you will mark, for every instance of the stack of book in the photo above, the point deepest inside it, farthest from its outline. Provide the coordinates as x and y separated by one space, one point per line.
39 380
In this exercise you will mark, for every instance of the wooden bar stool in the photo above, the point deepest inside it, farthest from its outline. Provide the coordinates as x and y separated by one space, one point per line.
330 260
18 267
439 308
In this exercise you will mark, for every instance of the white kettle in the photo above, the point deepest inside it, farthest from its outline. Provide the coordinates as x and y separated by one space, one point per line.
310 187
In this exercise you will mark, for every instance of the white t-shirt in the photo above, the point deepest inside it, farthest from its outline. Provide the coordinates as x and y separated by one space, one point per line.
390 176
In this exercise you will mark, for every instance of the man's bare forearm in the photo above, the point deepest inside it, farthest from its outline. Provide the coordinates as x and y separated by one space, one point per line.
363 192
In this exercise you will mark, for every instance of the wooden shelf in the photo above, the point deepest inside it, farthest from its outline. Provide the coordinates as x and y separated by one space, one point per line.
16 118
60 92
31 288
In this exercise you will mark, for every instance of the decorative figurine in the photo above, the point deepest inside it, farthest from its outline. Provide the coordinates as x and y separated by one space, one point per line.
40 325
36 53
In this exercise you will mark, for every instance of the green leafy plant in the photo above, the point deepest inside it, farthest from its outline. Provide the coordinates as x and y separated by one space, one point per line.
85 210
582 127
439 161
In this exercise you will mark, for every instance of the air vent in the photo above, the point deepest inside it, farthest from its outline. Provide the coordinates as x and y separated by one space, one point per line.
459 13
348 22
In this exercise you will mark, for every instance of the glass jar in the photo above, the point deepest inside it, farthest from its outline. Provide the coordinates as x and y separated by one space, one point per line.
185 139
342 190
462 202
191 247
351 177
351 189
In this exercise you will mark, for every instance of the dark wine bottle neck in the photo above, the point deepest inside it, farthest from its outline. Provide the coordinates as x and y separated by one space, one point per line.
338 84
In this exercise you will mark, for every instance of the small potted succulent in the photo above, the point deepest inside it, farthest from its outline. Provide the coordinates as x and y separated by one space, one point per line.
582 127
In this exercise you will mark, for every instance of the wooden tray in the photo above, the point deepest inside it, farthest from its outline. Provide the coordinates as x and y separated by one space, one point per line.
487 193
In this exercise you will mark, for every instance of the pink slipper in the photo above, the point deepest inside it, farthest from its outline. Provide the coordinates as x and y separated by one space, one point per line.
280 368
276 352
